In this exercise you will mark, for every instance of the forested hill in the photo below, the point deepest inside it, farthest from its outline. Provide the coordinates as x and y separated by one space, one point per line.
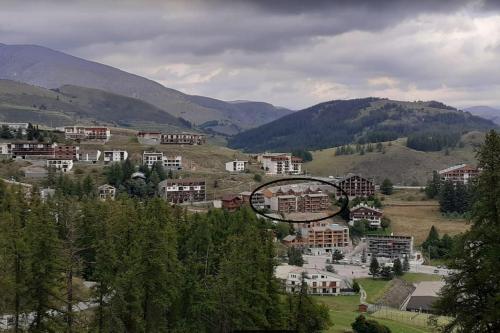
363 120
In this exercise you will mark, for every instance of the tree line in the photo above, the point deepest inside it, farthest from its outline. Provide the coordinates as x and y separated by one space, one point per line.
155 268
453 198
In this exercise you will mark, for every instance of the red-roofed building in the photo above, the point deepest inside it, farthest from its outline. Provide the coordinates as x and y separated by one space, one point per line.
461 173
231 203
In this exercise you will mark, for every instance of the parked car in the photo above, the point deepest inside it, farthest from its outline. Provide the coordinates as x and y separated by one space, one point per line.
436 271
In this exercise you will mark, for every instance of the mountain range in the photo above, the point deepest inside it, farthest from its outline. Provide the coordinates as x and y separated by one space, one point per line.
50 69
363 120
486 112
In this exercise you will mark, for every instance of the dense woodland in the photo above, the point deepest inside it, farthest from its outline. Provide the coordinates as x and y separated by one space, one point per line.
342 122
156 268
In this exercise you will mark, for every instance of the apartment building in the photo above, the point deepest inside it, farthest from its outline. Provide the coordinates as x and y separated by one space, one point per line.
318 282
390 247
114 155
183 138
89 156
356 186
280 164
106 192
258 200
67 152
461 173
31 149
87 133
236 166
183 190
149 138
16 126
64 165
325 239
168 162
365 212
301 197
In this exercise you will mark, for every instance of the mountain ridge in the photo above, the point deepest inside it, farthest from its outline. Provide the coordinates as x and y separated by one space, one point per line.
340 122
48 68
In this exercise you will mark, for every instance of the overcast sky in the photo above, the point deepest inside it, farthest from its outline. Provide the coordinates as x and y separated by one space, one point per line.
289 53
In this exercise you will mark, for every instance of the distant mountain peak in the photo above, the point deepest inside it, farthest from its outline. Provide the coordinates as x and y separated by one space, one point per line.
44 67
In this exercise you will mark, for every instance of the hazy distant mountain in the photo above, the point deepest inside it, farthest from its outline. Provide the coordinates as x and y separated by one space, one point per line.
48 68
485 112
69 104
341 122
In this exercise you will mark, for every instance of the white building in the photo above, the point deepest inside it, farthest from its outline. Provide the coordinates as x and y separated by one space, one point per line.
106 192
280 164
236 166
87 133
89 156
4 149
318 282
115 155
169 162
60 164
365 212
16 126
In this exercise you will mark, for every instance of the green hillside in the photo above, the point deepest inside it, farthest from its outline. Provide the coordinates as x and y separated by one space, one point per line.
397 162
359 120
70 104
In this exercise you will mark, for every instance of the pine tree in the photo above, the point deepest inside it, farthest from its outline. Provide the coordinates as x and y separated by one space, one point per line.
406 264
374 266
386 187
337 255
461 199
470 295
433 186
44 277
447 197
88 188
398 267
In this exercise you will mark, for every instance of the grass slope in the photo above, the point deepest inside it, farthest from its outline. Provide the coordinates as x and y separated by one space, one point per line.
411 214
69 104
399 163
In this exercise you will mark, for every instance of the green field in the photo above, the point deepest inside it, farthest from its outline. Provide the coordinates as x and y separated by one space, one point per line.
343 311
419 277
375 288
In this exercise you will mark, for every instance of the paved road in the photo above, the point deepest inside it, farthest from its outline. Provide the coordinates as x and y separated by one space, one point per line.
356 271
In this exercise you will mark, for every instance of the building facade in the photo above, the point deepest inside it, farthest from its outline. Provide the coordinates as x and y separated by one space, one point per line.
301 197
168 162
356 186
280 164
183 190
365 212
461 173
67 152
149 138
231 203
390 247
87 133
114 155
236 166
106 192
183 138
318 282
30 149
323 240
89 156
64 165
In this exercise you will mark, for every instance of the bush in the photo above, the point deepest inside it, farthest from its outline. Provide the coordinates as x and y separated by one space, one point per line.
257 177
